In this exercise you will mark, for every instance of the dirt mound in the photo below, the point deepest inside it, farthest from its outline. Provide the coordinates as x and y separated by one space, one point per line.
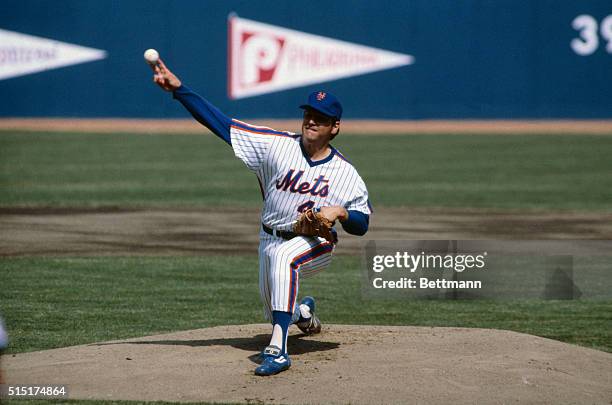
344 364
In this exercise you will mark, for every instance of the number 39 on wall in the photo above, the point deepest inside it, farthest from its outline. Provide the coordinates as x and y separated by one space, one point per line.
589 32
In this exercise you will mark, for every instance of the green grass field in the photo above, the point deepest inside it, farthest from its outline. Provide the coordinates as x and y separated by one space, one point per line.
55 302
566 172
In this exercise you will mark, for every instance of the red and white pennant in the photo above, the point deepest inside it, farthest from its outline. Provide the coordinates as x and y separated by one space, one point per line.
265 58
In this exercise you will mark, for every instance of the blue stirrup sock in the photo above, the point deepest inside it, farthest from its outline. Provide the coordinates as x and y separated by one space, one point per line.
281 321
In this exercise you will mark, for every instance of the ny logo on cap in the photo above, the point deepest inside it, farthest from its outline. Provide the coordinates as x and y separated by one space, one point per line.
321 95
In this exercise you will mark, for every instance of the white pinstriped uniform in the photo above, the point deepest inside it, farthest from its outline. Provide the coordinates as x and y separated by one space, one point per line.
289 181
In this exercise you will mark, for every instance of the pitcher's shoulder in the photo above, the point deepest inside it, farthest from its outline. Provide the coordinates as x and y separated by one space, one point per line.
242 126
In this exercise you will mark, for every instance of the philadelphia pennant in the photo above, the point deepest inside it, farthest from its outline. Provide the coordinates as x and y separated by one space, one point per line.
265 58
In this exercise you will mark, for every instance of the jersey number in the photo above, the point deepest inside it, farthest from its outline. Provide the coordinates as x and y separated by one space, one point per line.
306 206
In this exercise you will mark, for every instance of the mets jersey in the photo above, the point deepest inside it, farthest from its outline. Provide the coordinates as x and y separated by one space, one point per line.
290 181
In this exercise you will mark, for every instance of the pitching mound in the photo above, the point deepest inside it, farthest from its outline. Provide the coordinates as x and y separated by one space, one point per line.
344 364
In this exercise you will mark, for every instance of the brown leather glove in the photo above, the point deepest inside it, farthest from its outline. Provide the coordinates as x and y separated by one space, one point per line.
311 223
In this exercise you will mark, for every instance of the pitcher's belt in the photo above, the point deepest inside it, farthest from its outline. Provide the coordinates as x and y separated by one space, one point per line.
281 234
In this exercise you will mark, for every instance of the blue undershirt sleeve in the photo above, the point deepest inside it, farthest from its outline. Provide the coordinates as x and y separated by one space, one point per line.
205 113
357 223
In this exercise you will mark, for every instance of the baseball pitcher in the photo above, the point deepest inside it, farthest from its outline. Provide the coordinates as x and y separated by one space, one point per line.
307 186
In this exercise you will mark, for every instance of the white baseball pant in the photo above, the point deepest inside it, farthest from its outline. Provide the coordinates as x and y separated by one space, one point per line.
282 263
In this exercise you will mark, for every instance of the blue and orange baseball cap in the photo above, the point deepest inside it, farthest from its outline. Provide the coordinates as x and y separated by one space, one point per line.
325 103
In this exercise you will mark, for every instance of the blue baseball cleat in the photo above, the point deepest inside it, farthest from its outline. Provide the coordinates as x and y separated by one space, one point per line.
268 351
274 362
308 322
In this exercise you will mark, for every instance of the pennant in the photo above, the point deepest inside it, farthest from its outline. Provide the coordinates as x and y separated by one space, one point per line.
265 58
22 54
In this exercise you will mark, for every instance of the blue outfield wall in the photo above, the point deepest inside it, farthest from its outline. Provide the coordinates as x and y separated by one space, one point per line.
474 58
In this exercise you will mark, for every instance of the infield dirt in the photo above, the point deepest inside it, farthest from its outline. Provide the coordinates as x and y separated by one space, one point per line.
116 231
344 364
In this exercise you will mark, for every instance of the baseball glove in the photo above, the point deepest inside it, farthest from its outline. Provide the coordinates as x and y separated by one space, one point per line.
312 223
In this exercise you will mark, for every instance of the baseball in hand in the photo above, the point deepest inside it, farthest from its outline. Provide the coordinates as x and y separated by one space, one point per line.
151 56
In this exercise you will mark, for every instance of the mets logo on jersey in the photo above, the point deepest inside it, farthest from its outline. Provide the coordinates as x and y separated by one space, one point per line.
291 183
